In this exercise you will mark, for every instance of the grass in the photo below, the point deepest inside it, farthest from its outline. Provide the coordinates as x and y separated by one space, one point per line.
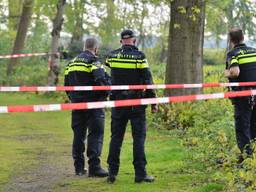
24 136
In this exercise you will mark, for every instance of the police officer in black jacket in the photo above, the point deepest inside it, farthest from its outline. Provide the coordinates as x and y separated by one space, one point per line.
129 67
86 70
242 68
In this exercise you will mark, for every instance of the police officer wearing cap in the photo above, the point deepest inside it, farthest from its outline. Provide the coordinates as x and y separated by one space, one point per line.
86 70
241 67
129 67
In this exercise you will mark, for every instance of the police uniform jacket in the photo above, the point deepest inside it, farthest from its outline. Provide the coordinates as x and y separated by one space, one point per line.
245 58
86 70
129 66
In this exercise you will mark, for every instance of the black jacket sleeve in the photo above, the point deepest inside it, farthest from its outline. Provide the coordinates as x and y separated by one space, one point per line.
66 80
101 78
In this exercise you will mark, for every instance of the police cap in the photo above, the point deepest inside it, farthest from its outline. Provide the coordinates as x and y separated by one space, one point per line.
127 33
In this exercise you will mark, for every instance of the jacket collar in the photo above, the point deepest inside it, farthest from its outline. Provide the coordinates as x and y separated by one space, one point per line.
129 47
240 45
89 53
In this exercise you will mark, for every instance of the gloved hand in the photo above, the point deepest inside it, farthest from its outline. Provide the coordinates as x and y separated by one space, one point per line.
154 108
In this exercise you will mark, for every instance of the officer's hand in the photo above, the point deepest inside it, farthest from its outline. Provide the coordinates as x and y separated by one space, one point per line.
154 108
226 73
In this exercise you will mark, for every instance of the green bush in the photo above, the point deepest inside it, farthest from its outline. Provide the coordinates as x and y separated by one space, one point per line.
214 56
29 71
206 128
6 43
174 116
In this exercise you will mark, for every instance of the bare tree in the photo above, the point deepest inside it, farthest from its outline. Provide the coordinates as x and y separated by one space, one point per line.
54 63
185 51
21 33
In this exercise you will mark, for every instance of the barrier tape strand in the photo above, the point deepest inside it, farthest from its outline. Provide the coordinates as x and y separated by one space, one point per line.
120 87
24 55
122 103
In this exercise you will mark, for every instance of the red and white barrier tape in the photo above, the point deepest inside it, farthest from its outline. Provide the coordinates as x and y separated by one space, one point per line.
122 87
24 55
122 103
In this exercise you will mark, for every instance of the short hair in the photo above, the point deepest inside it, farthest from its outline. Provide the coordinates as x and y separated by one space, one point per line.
236 35
127 34
91 43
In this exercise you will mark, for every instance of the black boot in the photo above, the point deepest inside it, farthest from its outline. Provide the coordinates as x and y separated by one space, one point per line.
111 178
147 178
97 172
81 172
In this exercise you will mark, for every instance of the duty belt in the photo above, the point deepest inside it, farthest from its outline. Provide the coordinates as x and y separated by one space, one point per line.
128 94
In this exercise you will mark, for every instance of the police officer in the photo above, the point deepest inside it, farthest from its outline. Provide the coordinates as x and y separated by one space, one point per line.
86 70
242 68
129 67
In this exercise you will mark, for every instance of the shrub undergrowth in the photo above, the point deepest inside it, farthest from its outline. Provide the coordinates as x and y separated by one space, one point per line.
206 128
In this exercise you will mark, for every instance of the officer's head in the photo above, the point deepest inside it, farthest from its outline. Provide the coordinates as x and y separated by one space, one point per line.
128 37
236 36
91 44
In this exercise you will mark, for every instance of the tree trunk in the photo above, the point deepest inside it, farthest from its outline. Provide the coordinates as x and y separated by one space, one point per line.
21 33
185 51
54 62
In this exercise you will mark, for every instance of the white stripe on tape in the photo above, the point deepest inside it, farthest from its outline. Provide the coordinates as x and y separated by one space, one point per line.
253 92
46 88
229 84
96 105
53 107
120 87
3 109
78 88
163 100
210 96
9 88
148 101
109 103
193 85
37 54
156 86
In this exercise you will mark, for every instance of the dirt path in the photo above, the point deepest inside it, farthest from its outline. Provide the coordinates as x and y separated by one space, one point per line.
51 170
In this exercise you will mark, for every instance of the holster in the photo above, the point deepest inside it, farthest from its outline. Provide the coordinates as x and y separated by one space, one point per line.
252 101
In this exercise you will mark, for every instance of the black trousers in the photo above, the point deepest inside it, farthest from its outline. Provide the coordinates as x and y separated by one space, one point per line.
92 121
120 118
245 123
